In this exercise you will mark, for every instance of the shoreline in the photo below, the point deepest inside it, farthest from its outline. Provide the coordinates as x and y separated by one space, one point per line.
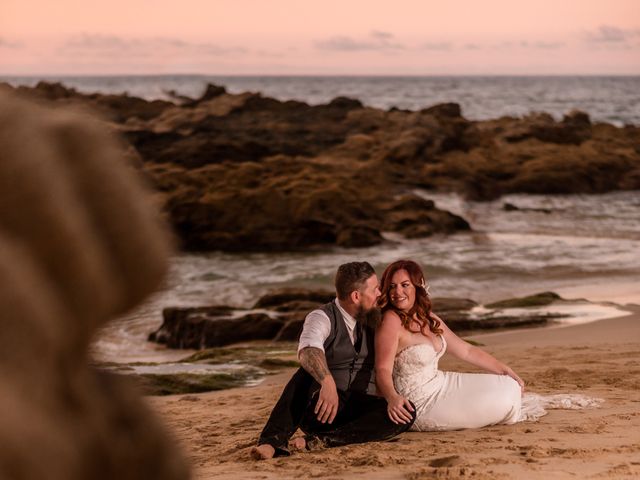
625 311
600 359
618 332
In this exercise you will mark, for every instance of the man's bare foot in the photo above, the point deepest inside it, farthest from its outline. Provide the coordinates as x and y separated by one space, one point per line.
263 452
298 444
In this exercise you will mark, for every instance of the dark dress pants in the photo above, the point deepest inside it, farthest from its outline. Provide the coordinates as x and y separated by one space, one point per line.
360 418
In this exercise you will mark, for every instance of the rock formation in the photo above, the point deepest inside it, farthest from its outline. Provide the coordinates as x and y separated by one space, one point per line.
245 172
79 244
279 315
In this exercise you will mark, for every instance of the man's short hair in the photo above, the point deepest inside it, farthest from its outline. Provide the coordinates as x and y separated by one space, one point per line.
351 276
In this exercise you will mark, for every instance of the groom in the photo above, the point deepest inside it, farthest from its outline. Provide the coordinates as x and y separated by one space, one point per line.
332 397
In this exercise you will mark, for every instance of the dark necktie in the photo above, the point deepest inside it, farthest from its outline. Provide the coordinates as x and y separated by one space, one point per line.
357 337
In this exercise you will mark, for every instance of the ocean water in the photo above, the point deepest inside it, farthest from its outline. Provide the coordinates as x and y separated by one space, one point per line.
586 246
607 99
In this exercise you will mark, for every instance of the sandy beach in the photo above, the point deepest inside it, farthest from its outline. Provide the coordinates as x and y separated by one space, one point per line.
600 359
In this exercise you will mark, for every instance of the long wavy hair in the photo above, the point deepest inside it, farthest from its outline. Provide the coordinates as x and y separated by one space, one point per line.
421 309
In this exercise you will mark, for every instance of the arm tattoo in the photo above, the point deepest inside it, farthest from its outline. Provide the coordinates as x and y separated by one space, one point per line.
313 361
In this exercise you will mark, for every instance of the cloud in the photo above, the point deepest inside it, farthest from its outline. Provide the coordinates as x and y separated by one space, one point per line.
98 42
343 44
548 45
112 45
4 43
438 46
610 35
270 54
526 45
544 45
508 44
376 41
381 35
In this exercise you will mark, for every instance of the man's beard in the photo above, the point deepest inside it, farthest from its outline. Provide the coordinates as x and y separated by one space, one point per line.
369 318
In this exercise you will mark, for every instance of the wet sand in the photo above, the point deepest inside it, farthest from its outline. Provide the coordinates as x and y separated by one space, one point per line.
600 359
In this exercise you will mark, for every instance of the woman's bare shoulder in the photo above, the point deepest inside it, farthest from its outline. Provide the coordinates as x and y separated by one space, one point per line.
391 319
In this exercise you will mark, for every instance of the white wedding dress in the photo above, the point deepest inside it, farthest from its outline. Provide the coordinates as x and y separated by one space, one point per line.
452 401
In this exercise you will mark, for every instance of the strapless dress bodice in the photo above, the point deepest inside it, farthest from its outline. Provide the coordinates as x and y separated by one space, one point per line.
415 372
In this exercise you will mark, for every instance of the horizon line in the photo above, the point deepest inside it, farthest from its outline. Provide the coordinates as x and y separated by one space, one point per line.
328 75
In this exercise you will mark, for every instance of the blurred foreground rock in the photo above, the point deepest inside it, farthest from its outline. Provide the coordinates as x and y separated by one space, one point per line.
243 172
79 244
279 315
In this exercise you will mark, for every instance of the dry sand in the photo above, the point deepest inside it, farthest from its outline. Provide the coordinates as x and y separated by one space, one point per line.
600 359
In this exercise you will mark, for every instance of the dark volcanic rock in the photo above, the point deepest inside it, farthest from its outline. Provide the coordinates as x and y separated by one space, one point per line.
212 91
292 329
538 155
447 304
416 217
345 103
262 208
118 108
458 315
247 172
574 129
460 324
205 327
577 119
451 110
285 296
358 236
510 207
54 91
537 300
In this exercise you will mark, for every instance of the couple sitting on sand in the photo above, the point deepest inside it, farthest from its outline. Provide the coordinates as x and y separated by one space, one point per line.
387 328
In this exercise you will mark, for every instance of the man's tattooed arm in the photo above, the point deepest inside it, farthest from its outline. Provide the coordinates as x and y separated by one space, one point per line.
313 361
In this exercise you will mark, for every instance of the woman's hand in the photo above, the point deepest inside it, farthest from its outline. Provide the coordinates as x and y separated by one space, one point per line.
514 375
399 409
387 337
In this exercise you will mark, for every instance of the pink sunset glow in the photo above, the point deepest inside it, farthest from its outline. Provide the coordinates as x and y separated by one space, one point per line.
279 37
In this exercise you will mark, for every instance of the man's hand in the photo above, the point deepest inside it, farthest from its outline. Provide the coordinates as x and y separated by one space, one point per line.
399 409
313 361
327 405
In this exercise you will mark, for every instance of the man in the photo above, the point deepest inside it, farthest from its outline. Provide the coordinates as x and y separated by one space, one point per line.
331 398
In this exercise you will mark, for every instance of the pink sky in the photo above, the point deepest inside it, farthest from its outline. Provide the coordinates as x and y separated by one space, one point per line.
350 37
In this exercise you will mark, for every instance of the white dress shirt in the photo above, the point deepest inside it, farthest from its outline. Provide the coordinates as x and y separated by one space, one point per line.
317 327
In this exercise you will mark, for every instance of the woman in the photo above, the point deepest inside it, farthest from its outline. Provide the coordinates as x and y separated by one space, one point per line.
409 342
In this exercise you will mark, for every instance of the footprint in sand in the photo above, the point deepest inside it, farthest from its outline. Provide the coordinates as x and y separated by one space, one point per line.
189 398
449 461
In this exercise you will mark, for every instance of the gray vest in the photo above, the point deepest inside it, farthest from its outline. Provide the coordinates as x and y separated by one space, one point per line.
352 370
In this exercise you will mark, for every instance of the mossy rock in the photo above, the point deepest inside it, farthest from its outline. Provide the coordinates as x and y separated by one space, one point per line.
217 355
250 354
537 300
276 363
172 384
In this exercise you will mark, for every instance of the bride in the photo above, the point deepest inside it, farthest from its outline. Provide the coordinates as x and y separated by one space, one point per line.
410 341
